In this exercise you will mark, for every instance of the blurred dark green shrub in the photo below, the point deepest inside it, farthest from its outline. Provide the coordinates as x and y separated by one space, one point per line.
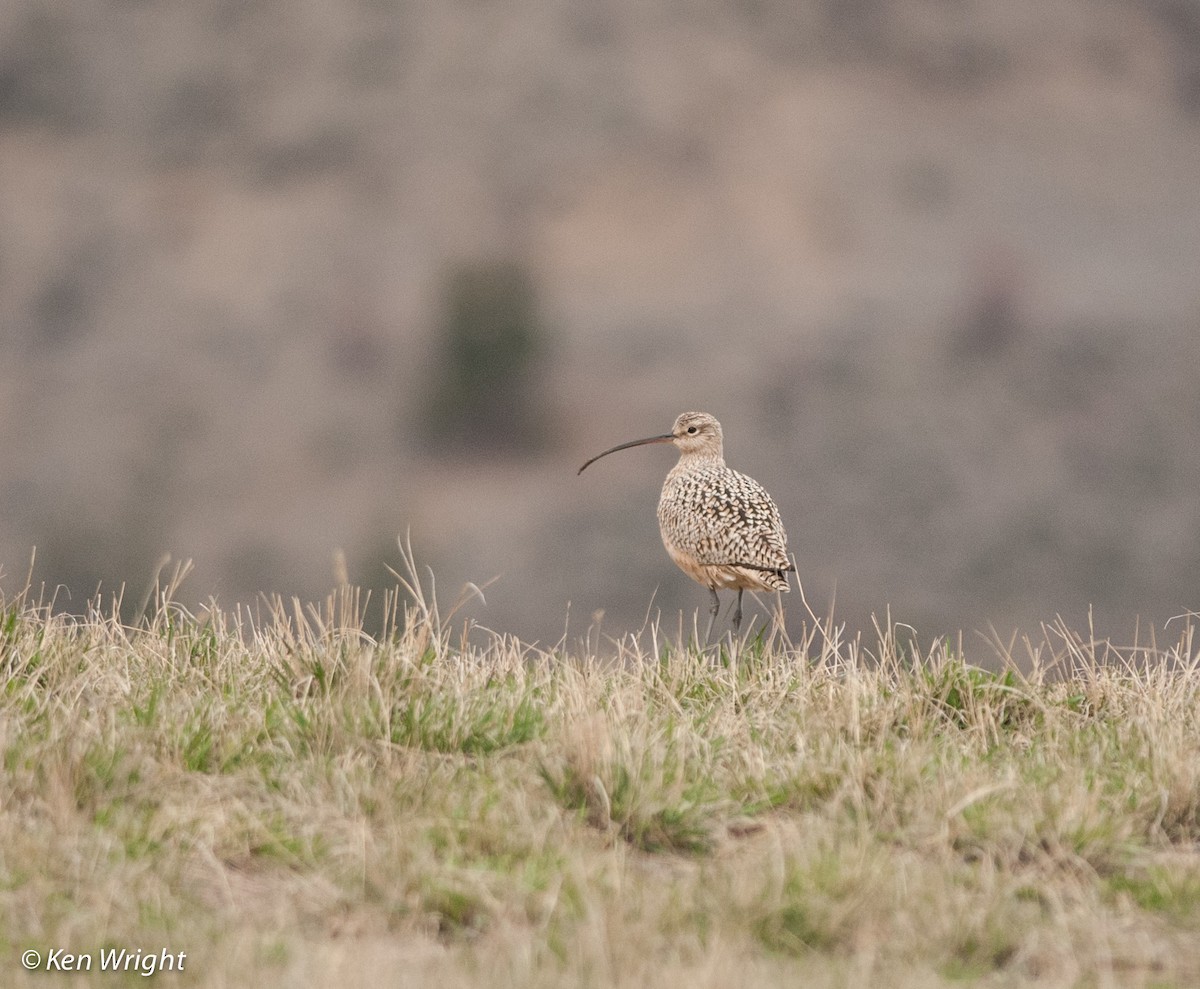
486 392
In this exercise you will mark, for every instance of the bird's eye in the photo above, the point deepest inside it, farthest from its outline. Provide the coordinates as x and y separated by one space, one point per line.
692 430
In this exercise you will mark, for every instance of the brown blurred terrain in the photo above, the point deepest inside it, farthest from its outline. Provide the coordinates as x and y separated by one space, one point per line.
278 280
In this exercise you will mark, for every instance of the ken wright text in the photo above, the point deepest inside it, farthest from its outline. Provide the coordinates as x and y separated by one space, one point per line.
105 960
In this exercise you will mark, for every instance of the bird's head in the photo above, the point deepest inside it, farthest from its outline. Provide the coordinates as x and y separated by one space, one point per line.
697 433
694 434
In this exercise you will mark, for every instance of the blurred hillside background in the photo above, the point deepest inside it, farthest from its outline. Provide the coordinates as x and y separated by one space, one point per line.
278 279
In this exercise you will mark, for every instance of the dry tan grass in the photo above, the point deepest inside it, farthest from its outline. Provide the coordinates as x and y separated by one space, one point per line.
292 802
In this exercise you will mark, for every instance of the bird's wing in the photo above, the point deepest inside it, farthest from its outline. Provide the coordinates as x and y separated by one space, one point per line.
743 526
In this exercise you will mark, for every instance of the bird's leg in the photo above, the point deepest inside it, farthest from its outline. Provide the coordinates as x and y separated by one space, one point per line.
712 613
737 613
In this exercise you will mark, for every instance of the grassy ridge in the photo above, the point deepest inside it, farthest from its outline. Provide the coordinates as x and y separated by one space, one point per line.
292 802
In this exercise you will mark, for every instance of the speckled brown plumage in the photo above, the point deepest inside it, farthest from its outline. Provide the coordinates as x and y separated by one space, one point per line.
719 526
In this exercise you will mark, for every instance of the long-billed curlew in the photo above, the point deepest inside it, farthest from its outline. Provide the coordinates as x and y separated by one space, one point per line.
720 527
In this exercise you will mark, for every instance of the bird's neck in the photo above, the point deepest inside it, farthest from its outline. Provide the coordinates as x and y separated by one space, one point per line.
700 458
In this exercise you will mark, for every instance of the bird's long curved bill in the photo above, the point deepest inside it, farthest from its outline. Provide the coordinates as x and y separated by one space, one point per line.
665 438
